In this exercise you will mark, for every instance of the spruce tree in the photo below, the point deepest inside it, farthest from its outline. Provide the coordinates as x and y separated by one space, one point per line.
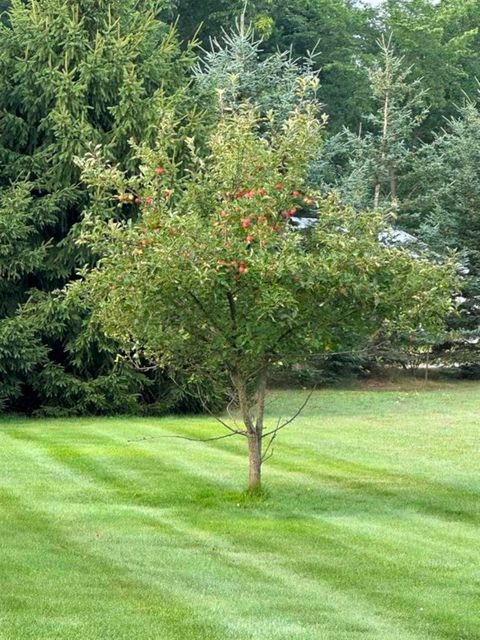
447 209
370 166
343 33
237 69
73 74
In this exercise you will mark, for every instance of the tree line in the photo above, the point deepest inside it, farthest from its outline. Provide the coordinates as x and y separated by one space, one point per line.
100 80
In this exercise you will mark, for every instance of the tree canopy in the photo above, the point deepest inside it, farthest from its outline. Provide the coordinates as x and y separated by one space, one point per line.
214 281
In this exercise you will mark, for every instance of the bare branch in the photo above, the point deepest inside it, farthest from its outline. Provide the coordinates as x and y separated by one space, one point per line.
222 422
228 435
265 458
230 415
369 349
208 410
269 446
279 426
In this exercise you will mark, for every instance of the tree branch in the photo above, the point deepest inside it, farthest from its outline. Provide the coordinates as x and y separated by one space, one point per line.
269 446
201 306
279 427
228 435
208 410
222 422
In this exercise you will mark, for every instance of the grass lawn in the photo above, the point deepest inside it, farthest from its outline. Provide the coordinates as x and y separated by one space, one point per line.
370 531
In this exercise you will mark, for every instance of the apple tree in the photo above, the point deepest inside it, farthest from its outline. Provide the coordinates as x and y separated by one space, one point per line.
214 280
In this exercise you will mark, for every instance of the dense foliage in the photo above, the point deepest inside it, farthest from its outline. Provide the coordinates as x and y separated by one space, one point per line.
447 208
72 74
399 86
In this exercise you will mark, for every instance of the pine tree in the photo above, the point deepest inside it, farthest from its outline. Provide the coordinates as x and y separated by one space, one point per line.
343 33
447 209
237 69
370 167
73 74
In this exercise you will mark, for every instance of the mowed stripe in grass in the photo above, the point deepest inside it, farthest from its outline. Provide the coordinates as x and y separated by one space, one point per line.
370 529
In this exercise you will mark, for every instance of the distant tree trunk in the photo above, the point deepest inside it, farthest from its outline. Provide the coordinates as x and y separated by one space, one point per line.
376 197
383 149
393 187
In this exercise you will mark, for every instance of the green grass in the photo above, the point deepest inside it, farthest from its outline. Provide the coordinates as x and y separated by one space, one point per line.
369 531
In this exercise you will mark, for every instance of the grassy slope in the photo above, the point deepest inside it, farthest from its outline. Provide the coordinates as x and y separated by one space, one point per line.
371 530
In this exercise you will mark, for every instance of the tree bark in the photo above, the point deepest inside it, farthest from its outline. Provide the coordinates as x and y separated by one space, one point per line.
383 151
253 426
376 197
243 403
393 187
254 462
261 395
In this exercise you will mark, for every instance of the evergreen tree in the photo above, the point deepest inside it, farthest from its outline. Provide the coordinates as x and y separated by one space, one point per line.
447 210
72 74
370 167
237 69
342 33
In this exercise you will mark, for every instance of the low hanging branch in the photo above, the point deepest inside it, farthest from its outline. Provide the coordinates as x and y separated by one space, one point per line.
234 431
290 420
149 439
